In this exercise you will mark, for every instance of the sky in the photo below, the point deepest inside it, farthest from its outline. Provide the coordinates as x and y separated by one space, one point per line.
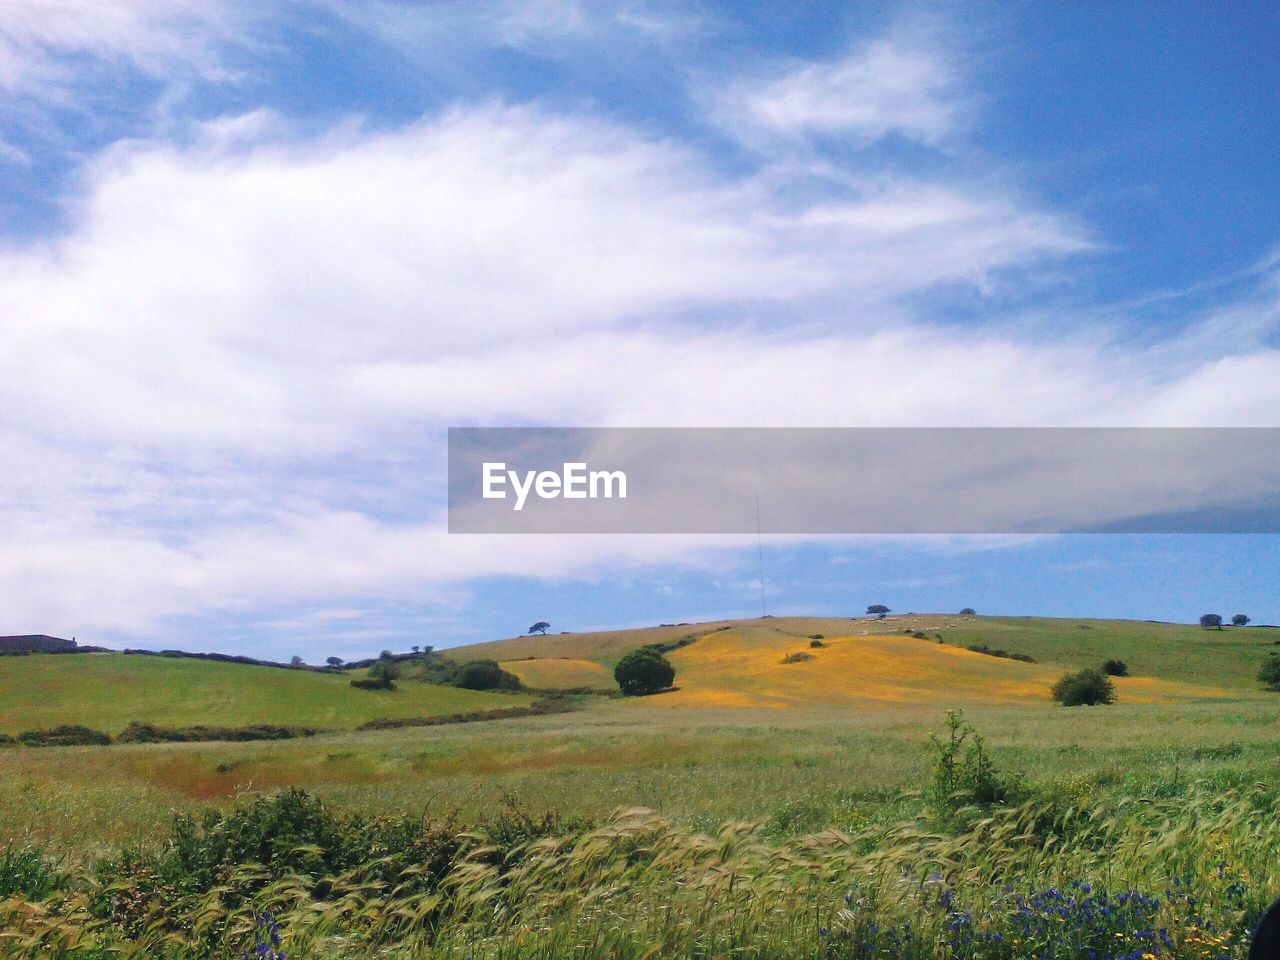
256 258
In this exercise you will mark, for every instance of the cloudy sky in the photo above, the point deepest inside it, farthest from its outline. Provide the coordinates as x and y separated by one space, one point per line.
255 258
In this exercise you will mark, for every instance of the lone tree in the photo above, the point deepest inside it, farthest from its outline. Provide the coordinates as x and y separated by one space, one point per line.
968 612
540 627
644 671
879 609
295 661
1211 620
1241 620
333 661
1084 689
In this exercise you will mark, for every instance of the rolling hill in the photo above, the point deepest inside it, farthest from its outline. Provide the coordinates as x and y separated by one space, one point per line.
108 690
740 663
730 664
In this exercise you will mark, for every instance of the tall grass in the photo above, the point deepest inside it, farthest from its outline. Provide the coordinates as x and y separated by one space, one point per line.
1176 878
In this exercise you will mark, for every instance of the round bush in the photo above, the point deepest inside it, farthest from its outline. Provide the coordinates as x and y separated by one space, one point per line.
486 675
1115 668
1270 673
642 672
1084 689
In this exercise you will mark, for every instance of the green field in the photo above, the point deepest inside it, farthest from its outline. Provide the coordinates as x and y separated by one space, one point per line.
840 742
107 691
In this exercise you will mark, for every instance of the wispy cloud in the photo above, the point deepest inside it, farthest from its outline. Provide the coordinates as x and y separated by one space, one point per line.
906 83
229 378
46 45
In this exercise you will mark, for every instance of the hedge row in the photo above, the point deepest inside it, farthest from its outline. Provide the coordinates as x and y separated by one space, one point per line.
75 735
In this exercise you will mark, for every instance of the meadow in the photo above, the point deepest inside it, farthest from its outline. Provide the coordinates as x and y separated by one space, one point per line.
731 816
108 691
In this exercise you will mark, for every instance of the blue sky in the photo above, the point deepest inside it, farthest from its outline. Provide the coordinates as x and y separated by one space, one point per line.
256 258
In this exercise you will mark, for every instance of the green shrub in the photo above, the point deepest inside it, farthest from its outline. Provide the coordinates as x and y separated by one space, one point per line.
800 656
486 675
26 873
381 676
643 672
1269 674
963 772
138 732
1084 689
65 735
1002 654
816 643
666 646
296 836
1115 668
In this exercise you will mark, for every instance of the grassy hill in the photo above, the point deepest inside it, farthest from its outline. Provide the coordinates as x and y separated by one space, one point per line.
740 663
734 664
605 647
107 690
560 673
834 740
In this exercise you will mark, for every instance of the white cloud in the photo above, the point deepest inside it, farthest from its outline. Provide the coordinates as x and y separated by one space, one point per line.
46 44
439 36
906 83
252 294
228 382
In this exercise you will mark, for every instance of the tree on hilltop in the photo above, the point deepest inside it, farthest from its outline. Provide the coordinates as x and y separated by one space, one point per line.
540 627
879 610
1211 620
1241 620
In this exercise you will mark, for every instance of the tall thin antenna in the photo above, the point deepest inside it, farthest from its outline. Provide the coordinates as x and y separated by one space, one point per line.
764 610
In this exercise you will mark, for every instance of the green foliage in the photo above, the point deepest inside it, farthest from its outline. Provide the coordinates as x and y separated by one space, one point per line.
643 672
1115 668
107 691
1183 878
666 646
26 872
996 652
64 735
485 675
964 773
968 612
1087 688
138 732
800 656
237 856
1269 673
381 676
